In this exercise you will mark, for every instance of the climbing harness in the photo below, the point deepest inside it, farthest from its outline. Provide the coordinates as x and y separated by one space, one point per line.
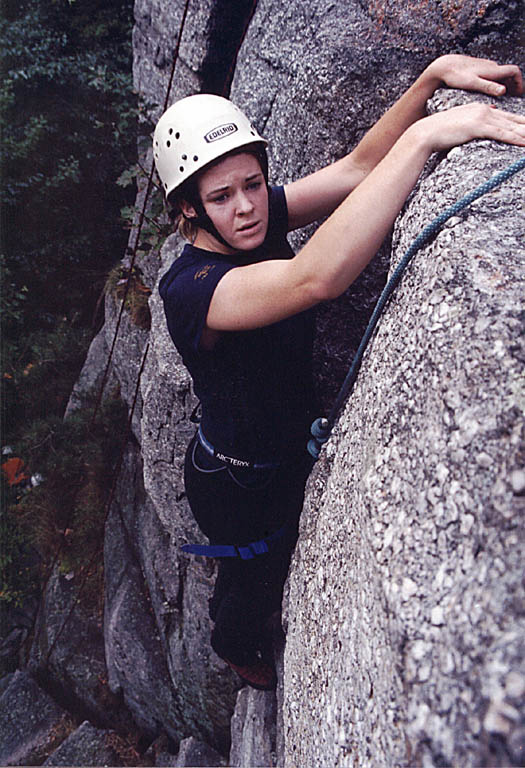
232 460
245 552
322 427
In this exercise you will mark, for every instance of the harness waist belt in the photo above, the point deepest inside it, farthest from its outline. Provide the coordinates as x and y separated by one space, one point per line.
232 460
246 552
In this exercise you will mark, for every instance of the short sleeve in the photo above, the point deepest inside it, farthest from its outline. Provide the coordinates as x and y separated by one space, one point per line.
278 214
187 288
187 296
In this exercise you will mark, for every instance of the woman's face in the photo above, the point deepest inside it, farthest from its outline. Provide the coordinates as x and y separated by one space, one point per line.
235 197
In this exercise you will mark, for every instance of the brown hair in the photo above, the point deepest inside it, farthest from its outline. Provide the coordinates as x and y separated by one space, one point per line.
185 226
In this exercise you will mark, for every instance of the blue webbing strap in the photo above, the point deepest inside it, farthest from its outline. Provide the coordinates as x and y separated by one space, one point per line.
245 552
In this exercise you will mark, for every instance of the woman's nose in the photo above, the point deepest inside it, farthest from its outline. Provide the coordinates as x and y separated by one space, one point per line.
244 204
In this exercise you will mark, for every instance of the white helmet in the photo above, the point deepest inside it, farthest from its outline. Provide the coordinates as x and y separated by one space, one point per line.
195 131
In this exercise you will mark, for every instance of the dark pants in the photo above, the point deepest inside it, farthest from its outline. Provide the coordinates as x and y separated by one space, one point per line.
238 506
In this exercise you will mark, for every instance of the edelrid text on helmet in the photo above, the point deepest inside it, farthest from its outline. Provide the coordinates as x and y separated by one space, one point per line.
194 132
220 132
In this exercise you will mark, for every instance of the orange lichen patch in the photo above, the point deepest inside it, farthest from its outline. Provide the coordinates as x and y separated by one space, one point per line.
452 10
125 748
13 470
388 11
377 11
482 10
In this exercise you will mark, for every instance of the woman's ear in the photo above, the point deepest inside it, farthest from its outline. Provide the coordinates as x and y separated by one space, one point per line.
188 211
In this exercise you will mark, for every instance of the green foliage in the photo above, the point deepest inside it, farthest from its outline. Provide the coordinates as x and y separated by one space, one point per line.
155 228
68 118
38 374
131 289
12 298
76 459
64 514
18 566
69 124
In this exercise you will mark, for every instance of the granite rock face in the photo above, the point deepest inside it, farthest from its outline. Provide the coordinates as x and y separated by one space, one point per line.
442 22
32 724
403 609
254 724
193 752
86 746
156 625
67 654
405 604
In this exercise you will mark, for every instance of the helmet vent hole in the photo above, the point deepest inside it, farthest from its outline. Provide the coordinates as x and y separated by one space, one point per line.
170 131
168 143
184 157
181 169
177 135
195 158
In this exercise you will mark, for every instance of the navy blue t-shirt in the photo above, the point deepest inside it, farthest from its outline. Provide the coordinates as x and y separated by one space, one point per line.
255 386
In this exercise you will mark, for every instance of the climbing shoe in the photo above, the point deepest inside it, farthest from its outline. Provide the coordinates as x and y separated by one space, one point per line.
260 675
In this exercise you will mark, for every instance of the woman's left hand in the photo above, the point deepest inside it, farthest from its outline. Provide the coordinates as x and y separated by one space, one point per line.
482 75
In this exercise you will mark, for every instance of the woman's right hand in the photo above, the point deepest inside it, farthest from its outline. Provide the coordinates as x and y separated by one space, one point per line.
444 130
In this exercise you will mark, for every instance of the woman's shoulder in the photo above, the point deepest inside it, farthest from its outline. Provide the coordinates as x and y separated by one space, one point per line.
192 264
194 273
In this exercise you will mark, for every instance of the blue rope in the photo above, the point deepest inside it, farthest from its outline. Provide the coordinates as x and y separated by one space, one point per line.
322 427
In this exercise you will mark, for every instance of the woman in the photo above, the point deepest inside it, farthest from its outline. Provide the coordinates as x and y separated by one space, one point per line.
239 307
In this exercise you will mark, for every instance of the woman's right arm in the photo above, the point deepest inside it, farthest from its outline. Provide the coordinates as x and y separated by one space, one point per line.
259 294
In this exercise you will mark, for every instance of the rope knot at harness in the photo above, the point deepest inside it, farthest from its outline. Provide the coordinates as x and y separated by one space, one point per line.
322 427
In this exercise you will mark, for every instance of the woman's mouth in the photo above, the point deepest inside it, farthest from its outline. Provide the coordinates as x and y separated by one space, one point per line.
247 227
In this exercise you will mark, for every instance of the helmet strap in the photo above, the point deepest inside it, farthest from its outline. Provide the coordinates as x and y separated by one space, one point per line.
204 221
192 195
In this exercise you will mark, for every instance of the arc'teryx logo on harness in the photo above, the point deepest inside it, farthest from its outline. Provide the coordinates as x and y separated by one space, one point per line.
231 460
220 132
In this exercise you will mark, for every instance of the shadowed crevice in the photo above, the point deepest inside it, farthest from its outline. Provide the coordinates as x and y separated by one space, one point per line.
228 25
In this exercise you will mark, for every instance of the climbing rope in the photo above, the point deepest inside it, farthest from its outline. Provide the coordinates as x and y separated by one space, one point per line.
140 224
322 427
97 551
142 218
98 402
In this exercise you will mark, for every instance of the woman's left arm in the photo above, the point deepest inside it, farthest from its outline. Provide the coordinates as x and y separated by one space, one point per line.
320 193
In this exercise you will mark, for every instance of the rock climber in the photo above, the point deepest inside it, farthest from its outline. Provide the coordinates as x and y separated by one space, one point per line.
239 307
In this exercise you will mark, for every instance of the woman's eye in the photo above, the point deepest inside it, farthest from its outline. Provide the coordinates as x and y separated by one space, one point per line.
254 185
219 199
